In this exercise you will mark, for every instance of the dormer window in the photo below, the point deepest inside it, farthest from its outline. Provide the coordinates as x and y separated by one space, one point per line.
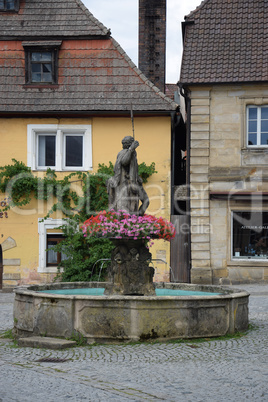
42 67
9 5
41 62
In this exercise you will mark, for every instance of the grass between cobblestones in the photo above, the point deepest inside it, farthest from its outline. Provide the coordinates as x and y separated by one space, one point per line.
81 341
7 334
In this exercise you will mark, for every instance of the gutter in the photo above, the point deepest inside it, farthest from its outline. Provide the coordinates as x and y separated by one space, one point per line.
83 113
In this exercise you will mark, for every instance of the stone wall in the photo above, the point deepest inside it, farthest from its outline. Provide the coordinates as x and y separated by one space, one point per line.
221 163
200 212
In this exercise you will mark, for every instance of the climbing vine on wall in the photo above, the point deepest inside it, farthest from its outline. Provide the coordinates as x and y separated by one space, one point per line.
20 186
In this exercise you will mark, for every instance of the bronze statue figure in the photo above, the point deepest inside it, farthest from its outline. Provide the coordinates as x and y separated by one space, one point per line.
125 188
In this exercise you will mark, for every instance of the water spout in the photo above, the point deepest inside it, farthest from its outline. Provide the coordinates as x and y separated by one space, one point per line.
172 276
103 262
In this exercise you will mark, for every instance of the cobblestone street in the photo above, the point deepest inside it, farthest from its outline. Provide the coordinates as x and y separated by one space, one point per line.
224 370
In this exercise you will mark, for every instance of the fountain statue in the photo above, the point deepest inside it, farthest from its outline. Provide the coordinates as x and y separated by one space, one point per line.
125 188
129 272
129 307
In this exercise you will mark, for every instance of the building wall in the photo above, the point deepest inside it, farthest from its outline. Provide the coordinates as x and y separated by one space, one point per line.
221 163
19 227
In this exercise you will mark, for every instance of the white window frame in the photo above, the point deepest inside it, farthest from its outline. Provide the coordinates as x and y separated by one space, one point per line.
44 227
258 107
33 130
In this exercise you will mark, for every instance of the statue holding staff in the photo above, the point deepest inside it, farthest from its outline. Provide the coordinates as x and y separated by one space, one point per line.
125 188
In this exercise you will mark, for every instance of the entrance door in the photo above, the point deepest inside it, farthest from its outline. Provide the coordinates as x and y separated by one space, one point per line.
1 267
179 250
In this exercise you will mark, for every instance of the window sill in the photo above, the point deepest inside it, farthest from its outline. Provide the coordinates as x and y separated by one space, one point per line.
240 261
9 12
254 156
49 270
258 148
40 86
73 169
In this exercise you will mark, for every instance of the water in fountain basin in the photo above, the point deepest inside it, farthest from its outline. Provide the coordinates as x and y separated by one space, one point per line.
100 292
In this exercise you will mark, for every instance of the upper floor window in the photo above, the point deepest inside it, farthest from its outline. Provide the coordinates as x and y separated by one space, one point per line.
41 62
59 147
9 5
257 126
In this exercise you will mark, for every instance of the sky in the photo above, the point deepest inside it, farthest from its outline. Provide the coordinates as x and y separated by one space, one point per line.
121 16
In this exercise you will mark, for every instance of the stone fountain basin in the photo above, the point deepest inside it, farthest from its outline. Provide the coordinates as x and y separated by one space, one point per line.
107 319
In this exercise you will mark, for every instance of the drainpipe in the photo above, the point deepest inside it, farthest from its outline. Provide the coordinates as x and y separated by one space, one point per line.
172 162
185 92
1 267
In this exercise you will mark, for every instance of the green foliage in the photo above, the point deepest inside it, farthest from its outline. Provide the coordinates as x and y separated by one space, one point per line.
82 254
20 185
78 338
8 334
19 190
106 170
146 171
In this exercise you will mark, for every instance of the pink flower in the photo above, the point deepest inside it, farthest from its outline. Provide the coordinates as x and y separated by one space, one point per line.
121 224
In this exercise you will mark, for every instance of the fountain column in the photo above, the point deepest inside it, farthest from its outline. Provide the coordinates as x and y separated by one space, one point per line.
129 273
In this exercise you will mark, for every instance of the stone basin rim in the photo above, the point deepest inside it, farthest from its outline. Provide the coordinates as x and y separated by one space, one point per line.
118 318
227 292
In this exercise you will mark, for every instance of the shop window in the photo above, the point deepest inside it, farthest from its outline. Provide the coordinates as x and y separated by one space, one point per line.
257 126
9 5
250 235
59 147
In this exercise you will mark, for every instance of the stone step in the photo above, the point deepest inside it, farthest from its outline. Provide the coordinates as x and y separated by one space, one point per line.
45 342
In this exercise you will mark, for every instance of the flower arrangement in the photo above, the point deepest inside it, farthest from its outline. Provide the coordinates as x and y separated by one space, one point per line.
121 225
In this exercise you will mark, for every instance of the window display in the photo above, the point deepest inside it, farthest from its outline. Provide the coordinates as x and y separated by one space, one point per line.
250 235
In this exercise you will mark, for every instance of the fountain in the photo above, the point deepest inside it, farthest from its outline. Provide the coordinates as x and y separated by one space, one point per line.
129 307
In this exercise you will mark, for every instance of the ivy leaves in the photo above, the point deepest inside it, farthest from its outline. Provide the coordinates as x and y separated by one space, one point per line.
78 195
78 192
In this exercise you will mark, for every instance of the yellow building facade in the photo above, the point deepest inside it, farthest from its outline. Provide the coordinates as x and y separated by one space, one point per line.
67 91
23 235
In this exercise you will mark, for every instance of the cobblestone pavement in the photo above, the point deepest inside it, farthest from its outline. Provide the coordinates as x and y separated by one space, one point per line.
222 370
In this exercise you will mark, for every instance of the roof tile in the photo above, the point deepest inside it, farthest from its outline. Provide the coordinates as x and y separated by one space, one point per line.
95 74
226 33
103 79
58 17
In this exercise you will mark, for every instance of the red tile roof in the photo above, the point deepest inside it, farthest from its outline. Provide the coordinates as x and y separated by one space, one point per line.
226 41
171 89
95 74
50 18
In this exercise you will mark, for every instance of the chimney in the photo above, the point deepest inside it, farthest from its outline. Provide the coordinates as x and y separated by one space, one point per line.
152 41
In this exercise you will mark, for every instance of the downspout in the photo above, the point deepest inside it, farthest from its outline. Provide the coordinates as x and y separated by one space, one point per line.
172 162
1 267
185 92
